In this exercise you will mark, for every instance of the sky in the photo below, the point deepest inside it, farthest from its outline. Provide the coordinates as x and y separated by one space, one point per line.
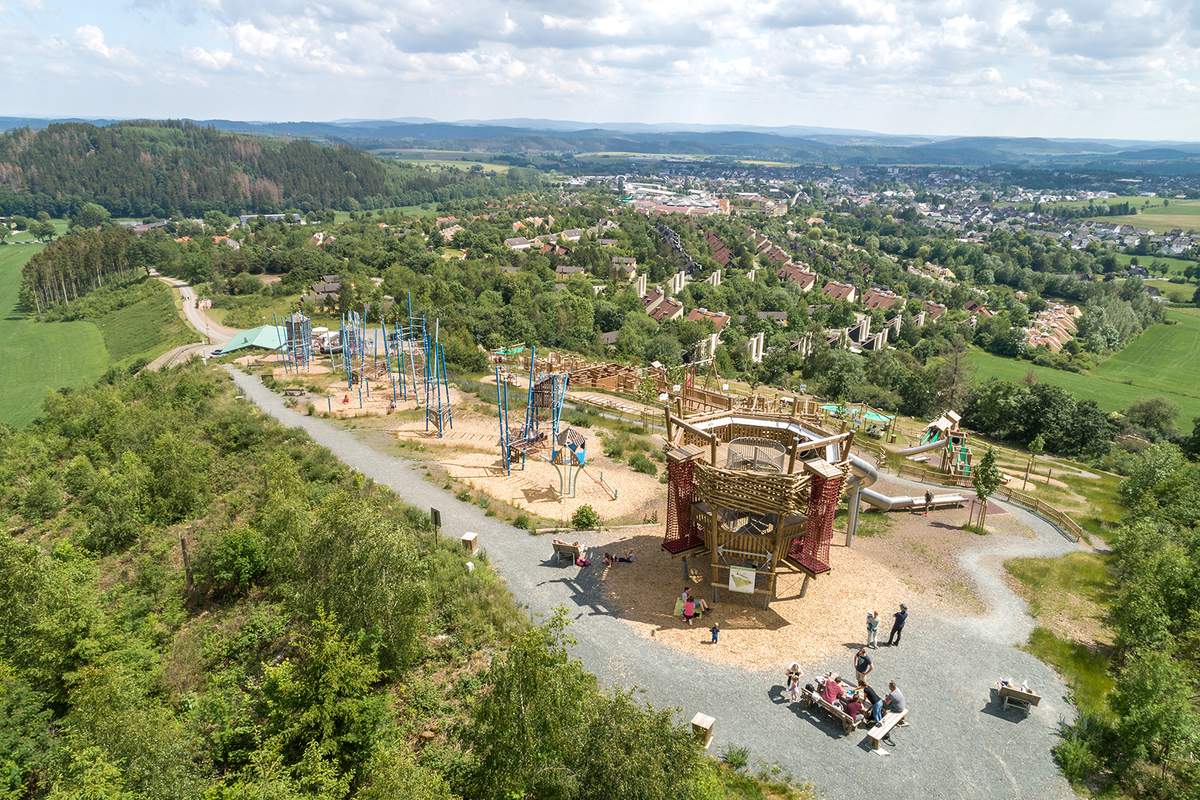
1067 68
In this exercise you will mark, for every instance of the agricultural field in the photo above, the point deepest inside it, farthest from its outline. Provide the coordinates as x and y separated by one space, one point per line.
1132 199
37 358
1183 214
1164 361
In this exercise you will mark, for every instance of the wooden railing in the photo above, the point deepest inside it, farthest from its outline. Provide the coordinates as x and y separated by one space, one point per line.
1069 527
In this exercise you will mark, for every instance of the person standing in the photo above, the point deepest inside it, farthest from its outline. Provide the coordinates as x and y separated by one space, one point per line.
928 501
715 630
862 664
873 629
898 625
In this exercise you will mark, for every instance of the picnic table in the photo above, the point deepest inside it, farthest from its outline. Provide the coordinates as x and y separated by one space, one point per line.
1011 694
848 723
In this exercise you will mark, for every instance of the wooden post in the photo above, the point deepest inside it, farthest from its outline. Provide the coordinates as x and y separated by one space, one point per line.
712 443
712 545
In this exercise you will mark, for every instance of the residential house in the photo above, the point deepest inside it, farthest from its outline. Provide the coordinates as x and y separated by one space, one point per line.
719 319
623 268
882 299
668 309
799 276
933 311
720 251
835 290
518 243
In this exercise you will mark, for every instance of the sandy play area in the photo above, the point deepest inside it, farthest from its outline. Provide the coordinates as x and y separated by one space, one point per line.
912 562
469 453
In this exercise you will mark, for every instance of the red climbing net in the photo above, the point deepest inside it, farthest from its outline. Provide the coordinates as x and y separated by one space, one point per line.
811 551
681 533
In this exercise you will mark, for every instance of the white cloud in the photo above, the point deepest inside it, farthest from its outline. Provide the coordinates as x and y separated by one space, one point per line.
91 39
209 59
912 65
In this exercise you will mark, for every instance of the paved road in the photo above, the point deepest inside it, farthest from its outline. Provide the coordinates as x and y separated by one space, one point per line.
958 746
215 332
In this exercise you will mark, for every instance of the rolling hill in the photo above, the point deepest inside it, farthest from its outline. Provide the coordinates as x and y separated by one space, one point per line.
155 168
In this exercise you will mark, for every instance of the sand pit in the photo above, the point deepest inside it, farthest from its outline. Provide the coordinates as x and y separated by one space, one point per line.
914 562
469 453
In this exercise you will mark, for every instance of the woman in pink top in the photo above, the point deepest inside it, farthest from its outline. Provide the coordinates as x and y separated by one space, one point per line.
831 691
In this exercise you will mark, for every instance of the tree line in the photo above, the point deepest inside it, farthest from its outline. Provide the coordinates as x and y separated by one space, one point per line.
74 265
1146 743
151 168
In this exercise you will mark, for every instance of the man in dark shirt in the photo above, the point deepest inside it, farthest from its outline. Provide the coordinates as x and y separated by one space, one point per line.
898 626
873 700
862 664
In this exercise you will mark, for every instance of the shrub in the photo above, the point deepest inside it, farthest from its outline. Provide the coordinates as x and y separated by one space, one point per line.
523 522
585 518
642 464
231 562
1074 754
736 756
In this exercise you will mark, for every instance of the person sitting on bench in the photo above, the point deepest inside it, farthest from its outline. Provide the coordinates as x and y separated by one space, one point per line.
854 706
895 699
832 690
873 700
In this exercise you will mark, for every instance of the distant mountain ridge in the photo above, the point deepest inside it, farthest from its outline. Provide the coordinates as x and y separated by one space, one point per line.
789 143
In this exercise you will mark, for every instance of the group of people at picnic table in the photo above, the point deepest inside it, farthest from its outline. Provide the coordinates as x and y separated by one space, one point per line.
859 700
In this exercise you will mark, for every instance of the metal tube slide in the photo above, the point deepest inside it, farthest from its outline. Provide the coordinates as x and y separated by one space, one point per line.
922 448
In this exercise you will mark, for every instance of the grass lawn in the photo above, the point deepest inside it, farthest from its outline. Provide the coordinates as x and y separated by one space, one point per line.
426 210
464 163
1164 361
1176 266
38 358
1069 598
1175 292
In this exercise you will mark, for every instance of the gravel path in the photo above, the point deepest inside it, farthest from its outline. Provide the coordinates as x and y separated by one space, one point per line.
959 744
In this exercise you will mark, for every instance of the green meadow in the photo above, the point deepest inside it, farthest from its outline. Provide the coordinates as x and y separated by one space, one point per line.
37 358
1164 361
1184 214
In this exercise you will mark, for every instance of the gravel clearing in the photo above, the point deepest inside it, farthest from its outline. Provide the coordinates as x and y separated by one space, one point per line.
959 744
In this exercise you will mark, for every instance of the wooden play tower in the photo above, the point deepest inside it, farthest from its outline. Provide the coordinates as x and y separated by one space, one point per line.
756 493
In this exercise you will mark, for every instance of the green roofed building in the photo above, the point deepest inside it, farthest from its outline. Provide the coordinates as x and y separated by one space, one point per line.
266 337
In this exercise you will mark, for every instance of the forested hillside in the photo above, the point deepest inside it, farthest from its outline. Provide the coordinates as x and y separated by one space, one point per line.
200 603
155 168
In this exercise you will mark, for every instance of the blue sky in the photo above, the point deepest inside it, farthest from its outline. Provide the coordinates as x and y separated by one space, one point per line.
1083 68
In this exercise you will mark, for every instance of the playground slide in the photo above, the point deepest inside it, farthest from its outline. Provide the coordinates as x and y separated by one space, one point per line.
921 448
863 474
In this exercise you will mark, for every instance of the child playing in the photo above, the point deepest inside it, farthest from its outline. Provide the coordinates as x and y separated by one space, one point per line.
689 610
715 630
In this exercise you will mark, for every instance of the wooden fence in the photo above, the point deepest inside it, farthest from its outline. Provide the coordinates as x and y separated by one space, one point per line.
1067 526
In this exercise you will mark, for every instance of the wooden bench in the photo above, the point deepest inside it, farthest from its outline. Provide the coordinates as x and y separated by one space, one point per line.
571 550
890 720
293 391
838 714
1011 695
